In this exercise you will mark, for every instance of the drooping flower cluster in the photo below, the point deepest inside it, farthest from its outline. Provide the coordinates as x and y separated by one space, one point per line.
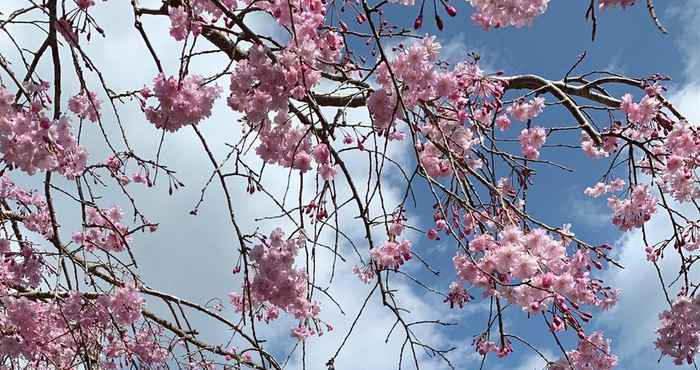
504 13
104 230
85 105
263 83
142 348
592 353
385 109
523 111
32 142
679 334
432 159
609 145
277 284
31 207
448 133
181 24
19 269
59 333
391 255
602 188
541 263
322 155
124 305
456 94
635 211
297 68
531 140
184 20
180 102
679 173
285 145
641 115
457 295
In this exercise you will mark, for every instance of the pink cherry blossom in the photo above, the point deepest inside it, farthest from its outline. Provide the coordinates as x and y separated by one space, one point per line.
635 211
603 188
32 142
523 111
104 231
531 140
391 255
679 334
85 106
593 352
277 284
181 103
181 24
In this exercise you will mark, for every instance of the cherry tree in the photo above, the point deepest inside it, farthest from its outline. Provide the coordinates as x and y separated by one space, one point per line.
352 126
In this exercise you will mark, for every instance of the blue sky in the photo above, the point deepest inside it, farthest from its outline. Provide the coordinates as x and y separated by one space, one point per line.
192 256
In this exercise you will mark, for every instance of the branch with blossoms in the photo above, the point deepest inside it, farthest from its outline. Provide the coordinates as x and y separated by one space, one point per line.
76 298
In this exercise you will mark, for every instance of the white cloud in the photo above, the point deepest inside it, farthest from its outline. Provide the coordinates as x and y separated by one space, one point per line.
591 212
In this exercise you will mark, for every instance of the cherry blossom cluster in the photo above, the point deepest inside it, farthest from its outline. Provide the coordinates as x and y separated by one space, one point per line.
263 83
50 334
679 173
85 105
322 155
526 110
22 268
504 13
277 284
593 352
391 255
415 68
679 334
385 109
546 273
31 207
634 211
142 348
641 115
180 102
285 145
603 188
181 24
457 295
484 346
32 142
450 133
673 147
609 145
104 230
691 236
186 19
531 140
455 94
296 69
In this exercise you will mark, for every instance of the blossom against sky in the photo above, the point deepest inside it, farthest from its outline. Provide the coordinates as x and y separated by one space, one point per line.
626 42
